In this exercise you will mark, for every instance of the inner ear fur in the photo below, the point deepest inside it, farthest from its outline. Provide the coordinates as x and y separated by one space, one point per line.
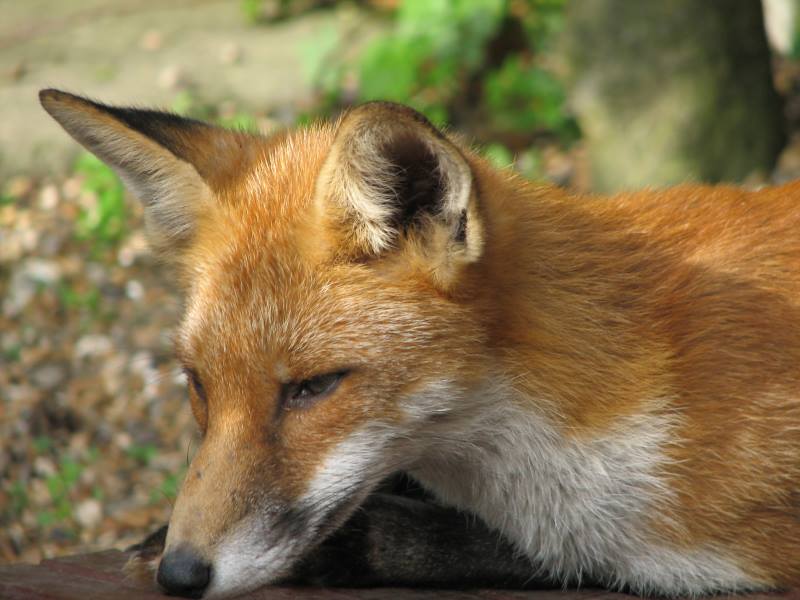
392 178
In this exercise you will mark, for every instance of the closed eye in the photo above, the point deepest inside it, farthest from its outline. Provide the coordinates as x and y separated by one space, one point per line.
194 381
302 394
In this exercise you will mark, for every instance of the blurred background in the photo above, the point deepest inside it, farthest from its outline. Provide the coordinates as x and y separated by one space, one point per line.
593 95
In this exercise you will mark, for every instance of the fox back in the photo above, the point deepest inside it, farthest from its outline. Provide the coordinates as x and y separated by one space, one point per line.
612 383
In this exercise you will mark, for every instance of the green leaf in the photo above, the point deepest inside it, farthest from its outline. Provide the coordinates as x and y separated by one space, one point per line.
42 443
142 453
319 59
70 472
46 518
499 155
19 498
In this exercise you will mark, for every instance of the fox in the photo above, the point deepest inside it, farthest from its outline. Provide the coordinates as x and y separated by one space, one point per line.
585 388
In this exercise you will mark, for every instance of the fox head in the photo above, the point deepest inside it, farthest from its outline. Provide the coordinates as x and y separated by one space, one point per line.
326 338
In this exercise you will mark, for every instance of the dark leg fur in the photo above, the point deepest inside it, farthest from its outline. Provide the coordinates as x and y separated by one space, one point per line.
397 541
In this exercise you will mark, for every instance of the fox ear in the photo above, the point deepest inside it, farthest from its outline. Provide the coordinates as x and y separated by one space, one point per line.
171 163
391 176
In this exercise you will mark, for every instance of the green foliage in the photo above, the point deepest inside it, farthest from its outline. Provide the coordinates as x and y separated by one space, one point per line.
60 485
480 65
71 298
42 444
522 96
542 20
500 156
103 224
251 9
19 498
142 454
185 103
12 352
189 105
259 12
320 65
435 47
241 121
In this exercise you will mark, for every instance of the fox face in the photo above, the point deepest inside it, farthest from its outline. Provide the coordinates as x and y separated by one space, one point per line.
303 258
302 411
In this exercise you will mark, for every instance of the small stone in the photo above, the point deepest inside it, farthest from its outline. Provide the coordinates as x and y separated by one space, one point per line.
20 292
134 290
43 466
18 393
38 493
17 71
230 53
91 346
152 40
123 440
171 77
29 239
89 476
96 274
48 197
136 516
11 249
133 248
71 188
42 271
111 372
25 281
49 377
18 187
89 513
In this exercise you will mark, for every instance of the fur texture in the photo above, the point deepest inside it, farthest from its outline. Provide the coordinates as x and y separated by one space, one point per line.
612 383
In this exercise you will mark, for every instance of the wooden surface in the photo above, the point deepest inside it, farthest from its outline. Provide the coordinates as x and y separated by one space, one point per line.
99 576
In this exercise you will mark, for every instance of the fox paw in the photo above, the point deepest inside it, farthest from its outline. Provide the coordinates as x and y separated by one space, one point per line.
143 563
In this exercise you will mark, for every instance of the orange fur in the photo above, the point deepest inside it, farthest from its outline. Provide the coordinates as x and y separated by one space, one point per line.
683 303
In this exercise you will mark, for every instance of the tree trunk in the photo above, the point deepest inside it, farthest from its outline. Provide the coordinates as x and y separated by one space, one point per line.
672 91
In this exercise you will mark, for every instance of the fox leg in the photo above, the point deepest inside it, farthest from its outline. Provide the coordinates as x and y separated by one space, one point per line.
399 541
394 540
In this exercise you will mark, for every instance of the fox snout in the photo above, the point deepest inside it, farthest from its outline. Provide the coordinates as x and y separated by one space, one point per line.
230 533
207 554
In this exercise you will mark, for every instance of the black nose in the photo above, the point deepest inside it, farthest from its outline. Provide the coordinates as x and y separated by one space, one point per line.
183 573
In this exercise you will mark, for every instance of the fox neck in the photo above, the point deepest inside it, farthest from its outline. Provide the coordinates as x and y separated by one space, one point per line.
583 507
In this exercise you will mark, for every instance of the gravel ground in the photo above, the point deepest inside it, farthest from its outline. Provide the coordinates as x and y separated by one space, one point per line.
95 429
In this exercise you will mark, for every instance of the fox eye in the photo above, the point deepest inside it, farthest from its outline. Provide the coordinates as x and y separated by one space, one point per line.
194 381
304 393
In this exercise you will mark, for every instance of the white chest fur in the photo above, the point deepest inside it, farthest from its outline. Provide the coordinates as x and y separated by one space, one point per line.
575 507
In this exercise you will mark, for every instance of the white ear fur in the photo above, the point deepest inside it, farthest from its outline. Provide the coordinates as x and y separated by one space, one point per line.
171 189
384 151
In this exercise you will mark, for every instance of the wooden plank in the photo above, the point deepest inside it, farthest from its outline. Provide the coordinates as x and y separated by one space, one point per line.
99 576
